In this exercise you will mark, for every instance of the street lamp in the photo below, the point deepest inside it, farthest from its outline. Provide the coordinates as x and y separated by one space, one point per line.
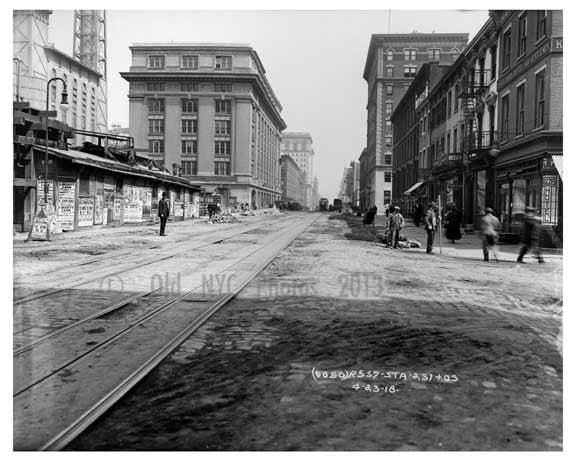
64 107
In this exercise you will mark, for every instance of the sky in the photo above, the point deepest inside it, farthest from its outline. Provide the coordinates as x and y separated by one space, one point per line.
314 61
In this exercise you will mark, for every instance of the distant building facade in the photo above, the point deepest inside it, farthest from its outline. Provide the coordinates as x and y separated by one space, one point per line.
293 181
392 62
299 147
208 112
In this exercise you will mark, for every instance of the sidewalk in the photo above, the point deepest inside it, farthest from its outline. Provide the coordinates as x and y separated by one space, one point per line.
468 247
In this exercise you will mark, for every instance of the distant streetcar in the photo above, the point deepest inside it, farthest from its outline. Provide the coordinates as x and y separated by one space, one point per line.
323 204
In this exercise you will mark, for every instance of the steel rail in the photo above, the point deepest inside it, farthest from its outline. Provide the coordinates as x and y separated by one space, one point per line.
104 311
157 310
148 262
92 414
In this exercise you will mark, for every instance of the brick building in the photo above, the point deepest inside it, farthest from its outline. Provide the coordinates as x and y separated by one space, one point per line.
209 111
293 182
392 62
299 147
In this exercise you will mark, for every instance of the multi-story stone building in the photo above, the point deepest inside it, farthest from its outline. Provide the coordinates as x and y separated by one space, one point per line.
527 168
413 154
392 62
292 181
299 147
208 112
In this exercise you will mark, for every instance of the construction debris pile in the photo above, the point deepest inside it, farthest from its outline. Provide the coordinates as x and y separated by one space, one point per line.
223 218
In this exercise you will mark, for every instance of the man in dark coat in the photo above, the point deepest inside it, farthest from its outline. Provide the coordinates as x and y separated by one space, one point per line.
430 225
163 212
531 235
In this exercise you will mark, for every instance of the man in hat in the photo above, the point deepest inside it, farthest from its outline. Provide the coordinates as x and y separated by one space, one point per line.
430 225
163 212
489 225
531 235
395 224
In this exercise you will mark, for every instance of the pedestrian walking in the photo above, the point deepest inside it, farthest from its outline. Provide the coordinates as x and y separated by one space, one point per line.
489 227
531 235
163 212
453 224
417 215
395 224
430 225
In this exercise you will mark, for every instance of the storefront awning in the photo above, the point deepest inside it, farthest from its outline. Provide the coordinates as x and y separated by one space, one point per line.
413 188
558 163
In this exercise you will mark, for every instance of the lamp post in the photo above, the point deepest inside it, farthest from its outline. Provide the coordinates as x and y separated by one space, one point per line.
64 107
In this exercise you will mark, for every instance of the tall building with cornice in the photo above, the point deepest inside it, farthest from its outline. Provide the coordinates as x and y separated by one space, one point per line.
392 62
299 147
208 112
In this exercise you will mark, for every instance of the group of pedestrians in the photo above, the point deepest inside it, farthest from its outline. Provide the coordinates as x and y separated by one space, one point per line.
489 229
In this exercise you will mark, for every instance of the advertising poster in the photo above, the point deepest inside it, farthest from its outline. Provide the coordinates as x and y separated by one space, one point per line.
549 185
178 209
132 212
40 184
66 205
85 211
98 209
118 208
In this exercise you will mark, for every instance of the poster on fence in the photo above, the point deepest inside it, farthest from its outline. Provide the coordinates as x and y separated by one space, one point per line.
98 209
66 205
85 211
132 212
178 209
118 208
40 185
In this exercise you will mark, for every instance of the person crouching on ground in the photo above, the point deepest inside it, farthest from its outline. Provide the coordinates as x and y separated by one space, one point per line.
395 224
531 235
163 212
430 225
489 226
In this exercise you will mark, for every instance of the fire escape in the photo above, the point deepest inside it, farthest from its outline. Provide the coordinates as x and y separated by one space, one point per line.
477 139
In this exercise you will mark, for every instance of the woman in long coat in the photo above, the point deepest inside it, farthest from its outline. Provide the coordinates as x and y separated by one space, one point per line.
453 225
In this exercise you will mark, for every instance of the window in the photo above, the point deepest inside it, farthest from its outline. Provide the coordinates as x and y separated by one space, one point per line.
448 145
388 107
387 176
222 127
390 55
155 125
425 124
505 116
387 159
156 106
449 102
155 86
389 89
455 140
223 106
409 71
540 24
388 122
223 62
222 147
190 62
434 54
222 168
223 87
410 54
156 62
388 141
493 51
506 45
190 106
189 126
390 71
540 98
189 146
156 146
522 30
189 86
387 196
189 167
520 91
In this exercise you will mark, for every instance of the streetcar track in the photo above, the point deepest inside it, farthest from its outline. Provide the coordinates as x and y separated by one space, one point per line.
80 423
21 300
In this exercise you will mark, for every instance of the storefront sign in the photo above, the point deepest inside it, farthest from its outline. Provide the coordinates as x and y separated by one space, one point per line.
549 203
85 211
557 43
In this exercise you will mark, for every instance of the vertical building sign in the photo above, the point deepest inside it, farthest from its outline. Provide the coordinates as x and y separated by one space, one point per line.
549 199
